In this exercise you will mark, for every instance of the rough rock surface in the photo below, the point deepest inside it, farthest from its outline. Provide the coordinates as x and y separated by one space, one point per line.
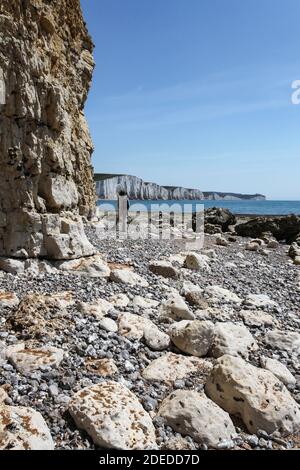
219 294
41 315
193 337
113 417
98 309
164 268
103 367
257 318
8 299
46 178
196 262
255 395
23 428
27 360
175 308
259 301
136 327
288 341
92 266
278 369
282 228
232 338
127 276
193 414
219 217
171 367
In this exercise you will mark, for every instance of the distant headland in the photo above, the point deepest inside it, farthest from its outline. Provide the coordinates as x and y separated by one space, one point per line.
107 186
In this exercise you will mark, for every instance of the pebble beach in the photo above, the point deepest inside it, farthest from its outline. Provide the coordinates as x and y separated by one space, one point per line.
155 323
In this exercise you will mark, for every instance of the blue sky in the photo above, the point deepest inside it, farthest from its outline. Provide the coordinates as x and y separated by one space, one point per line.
197 93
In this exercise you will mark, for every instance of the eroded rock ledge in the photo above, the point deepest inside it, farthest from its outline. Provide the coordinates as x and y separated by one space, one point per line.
46 178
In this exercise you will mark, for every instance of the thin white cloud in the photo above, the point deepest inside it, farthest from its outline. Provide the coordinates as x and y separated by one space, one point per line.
228 93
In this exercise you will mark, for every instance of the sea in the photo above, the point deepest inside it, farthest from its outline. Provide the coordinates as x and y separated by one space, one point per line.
242 207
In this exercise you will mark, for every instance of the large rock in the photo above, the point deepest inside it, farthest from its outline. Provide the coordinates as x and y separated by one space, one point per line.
279 370
257 318
39 316
27 360
282 228
98 309
218 294
23 429
212 229
164 269
192 414
171 367
119 300
30 267
253 394
219 217
197 262
92 266
46 178
113 417
234 339
8 299
127 276
294 250
260 301
11 266
193 337
176 309
137 327
144 302
288 341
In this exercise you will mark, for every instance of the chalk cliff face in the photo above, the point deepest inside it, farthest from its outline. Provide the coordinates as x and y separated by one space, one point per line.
136 188
46 177
213 196
107 187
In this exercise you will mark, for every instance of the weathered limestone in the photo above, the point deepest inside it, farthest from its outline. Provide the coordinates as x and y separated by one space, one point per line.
8 299
284 340
257 318
175 308
234 339
27 360
127 276
255 395
279 370
23 428
193 414
218 294
260 301
196 262
144 303
164 268
46 178
92 266
171 367
42 315
193 337
99 309
113 417
137 327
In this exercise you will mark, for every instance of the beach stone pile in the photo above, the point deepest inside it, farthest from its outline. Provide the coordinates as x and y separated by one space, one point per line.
137 358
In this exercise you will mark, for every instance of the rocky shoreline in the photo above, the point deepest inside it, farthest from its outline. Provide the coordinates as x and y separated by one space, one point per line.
127 343
158 350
